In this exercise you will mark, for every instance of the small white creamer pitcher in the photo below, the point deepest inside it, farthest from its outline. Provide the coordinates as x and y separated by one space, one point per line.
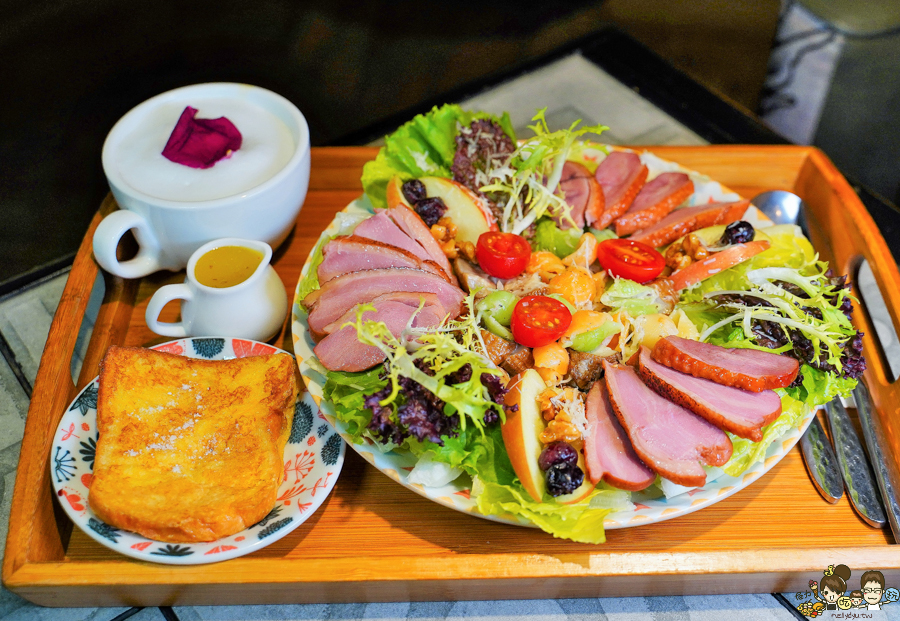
254 308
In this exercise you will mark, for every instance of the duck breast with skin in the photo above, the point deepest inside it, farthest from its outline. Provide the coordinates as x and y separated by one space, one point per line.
341 349
581 192
352 253
748 369
654 202
411 224
688 219
621 176
340 294
382 229
741 412
607 450
670 440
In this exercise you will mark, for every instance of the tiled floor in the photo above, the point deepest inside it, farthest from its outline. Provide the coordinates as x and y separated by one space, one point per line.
25 319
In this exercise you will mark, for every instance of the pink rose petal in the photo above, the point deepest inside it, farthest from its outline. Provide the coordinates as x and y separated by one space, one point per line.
200 143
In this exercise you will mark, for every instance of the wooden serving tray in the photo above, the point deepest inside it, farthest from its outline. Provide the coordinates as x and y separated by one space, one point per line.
373 540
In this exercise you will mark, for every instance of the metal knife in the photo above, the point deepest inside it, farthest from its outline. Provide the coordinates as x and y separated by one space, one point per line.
858 476
878 455
821 462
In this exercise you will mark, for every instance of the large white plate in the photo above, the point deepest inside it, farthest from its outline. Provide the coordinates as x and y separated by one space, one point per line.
648 509
313 458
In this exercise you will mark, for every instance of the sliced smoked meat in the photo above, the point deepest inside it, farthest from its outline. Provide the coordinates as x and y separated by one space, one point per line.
654 202
409 298
352 253
411 224
682 221
621 176
748 369
669 439
741 412
382 229
608 453
582 193
342 351
340 294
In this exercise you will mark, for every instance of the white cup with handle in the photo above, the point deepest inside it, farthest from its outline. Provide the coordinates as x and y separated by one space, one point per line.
172 209
249 301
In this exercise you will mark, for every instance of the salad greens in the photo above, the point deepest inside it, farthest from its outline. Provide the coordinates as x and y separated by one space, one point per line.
783 301
437 395
548 236
422 147
631 297
531 180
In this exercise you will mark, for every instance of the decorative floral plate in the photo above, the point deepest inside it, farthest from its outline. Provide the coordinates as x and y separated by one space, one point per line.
313 458
647 509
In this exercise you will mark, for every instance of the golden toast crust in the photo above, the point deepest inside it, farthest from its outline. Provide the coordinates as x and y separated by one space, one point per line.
190 450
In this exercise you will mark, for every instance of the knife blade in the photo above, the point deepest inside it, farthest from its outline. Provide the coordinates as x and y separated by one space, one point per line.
858 477
877 455
821 462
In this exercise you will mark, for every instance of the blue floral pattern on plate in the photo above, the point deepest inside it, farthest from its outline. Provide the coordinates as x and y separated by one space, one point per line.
311 468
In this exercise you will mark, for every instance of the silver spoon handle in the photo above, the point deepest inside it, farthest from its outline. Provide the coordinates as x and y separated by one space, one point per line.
878 456
857 473
821 462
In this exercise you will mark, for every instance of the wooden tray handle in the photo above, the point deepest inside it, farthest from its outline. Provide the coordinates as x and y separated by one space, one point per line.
841 225
54 390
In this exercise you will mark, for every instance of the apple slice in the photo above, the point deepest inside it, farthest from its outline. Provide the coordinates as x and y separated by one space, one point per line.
522 430
394 193
467 210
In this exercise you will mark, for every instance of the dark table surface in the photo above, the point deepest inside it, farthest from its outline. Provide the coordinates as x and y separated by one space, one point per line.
71 70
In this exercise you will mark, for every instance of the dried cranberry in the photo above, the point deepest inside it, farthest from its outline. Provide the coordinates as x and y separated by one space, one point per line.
563 478
738 233
431 210
558 452
414 191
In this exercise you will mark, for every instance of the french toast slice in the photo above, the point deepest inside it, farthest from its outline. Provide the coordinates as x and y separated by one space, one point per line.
190 450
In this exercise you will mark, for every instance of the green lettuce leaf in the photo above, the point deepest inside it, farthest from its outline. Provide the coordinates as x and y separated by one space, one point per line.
347 392
310 282
422 147
746 452
550 237
579 522
631 297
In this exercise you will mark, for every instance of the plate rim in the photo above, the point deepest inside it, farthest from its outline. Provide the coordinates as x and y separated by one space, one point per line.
81 518
776 451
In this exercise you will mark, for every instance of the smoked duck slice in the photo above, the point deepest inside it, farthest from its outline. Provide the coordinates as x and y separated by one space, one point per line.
582 193
741 412
608 453
341 349
748 369
669 439
340 294
352 253
411 224
654 202
621 176
682 221
382 229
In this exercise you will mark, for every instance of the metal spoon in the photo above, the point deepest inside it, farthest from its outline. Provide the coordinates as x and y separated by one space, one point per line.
784 207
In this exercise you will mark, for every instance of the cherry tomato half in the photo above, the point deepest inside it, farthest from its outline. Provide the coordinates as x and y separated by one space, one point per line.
539 320
630 259
503 255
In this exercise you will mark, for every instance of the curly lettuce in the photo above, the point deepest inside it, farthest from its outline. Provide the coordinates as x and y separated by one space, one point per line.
424 146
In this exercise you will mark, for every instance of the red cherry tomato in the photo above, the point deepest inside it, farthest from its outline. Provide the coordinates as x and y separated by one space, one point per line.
630 259
539 320
503 255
